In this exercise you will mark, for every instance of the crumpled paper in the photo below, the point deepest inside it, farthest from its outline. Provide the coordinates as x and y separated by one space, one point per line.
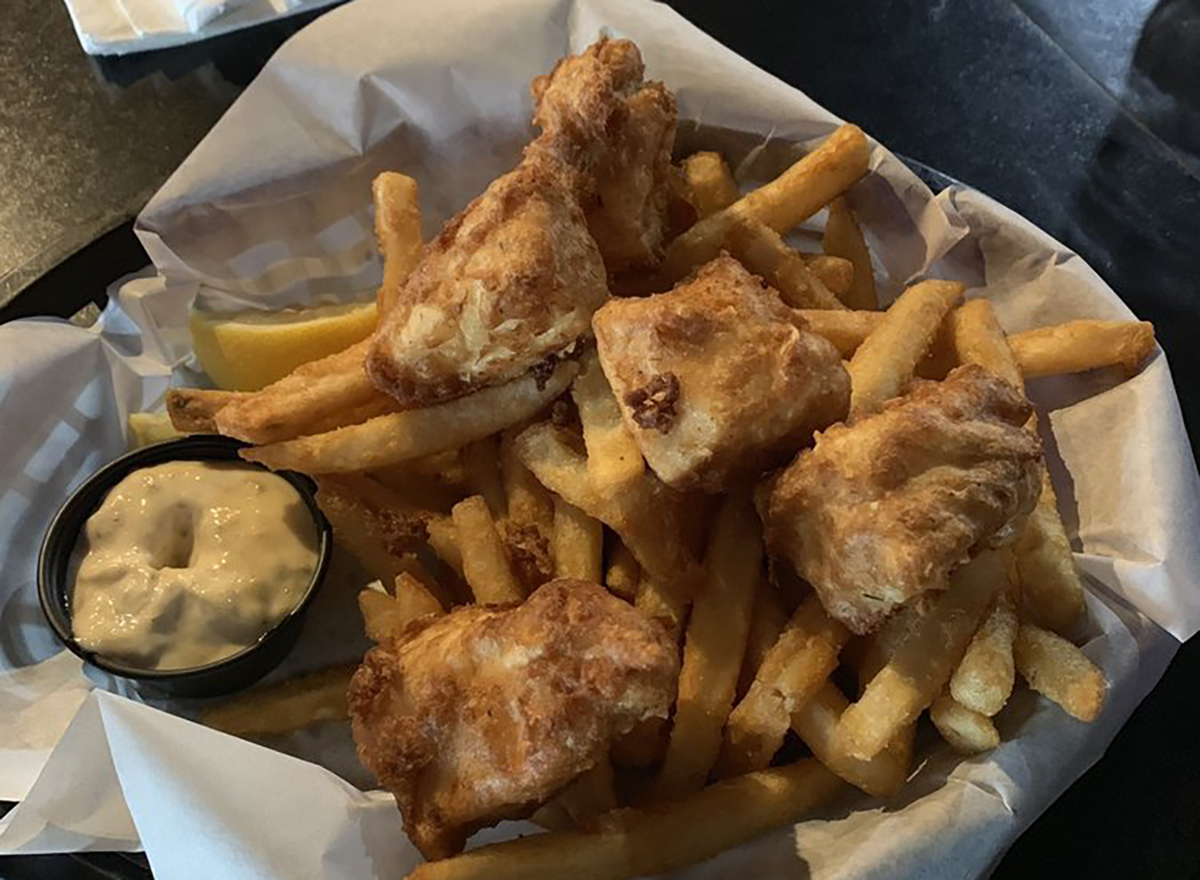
272 209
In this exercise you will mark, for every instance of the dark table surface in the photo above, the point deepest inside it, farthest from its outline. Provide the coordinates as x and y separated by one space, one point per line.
1082 115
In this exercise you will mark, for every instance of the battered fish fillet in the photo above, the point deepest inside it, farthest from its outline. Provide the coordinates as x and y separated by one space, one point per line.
487 712
511 282
598 115
881 510
718 380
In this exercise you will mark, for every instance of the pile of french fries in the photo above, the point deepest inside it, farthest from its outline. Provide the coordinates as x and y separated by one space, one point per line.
487 497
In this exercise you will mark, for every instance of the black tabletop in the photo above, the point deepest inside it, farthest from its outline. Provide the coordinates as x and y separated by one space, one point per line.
1083 115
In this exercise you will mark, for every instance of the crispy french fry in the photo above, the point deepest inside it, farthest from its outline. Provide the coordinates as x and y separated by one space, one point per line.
844 239
922 664
418 432
1083 345
983 680
384 616
665 837
590 796
793 670
884 363
967 732
1059 671
882 645
623 572
316 397
976 338
664 600
783 203
578 543
836 273
528 501
647 515
713 648
290 705
481 459
712 185
194 410
443 538
816 723
485 563
761 250
397 232
613 455
435 483
1050 584
767 620
844 328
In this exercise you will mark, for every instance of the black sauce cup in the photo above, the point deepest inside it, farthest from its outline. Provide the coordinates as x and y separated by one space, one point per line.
55 576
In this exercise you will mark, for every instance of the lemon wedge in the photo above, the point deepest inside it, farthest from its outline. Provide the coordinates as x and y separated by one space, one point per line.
249 350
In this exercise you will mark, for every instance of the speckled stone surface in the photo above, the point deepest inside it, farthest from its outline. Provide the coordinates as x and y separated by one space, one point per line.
1082 115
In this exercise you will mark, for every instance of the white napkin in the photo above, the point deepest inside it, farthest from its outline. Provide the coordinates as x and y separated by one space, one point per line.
117 27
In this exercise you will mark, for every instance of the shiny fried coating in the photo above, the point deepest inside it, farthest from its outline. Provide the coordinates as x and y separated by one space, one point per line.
509 284
882 509
717 379
486 712
599 116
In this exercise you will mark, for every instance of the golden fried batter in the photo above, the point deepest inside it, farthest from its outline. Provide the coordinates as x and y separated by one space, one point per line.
509 282
717 379
883 509
487 712
597 115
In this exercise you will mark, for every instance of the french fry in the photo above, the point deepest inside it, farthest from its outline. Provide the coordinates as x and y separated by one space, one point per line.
785 202
443 539
844 328
435 482
290 705
976 338
415 433
485 563
882 645
713 648
578 544
712 185
1059 671
836 273
767 620
613 456
816 723
793 670
844 239
984 678
967 732
590 796
397 232
1050 583
481 459
647 515
385 617
385 539
664 600
623 572
316 397
761 250
884 363
529 529
922 664
1083 345
662 838
194 410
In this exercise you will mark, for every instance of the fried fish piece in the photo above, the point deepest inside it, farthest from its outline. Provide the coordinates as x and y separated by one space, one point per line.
599 117
488 711
717 379
511 282
881 510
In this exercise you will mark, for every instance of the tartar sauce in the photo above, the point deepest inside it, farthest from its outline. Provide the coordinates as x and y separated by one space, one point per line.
188 562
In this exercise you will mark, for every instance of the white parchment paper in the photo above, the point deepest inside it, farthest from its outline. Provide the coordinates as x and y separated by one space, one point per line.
272 209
